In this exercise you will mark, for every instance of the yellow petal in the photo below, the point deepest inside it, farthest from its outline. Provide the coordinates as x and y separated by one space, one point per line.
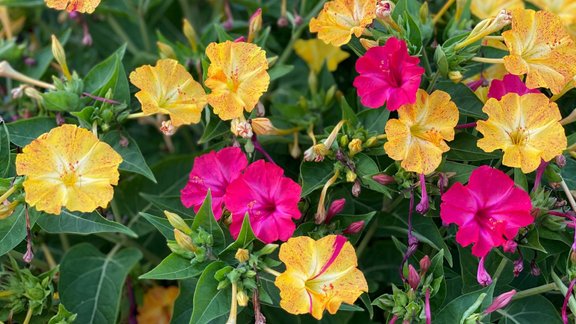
82 6
293 295
316 53
490 8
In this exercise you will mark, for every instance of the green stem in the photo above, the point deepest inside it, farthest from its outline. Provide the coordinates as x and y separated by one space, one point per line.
144 30
558 282
426 61
153 258
435 78
122 34
535 291
28 315
364 243
500 268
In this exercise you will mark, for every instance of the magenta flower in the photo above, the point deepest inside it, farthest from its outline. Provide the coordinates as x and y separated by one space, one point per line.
269 198
509 84
388 74
489 210
214 171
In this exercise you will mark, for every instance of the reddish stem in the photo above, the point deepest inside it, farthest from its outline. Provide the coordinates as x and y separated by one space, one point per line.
566 299
464 126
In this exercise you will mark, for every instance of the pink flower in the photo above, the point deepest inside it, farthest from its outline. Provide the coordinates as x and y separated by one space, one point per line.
388 74
269 198
489 210
214 171
510 83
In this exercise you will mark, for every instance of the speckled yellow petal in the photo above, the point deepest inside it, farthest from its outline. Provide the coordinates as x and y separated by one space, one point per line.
83 6
422 157
293 295
339 19
565 9
490 8
540 47
68 167
300 254
237 77
399 138
316 53
526 158
168 88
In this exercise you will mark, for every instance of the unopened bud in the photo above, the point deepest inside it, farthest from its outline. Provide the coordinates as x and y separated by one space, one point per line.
384 179
344 140
455 76
500 302
354 228
482 276
351 175
425 264
263 126
254 25
241 128
7 208
184 241
242 298
560 161
294 147
87 39
282 22
167 128
355 146
177 222
60 57
166 50
534 269
518 267
268 249
372 141
413 277
423 12
335 208
384 9
242 255
510 246
368 43
190 35
356 188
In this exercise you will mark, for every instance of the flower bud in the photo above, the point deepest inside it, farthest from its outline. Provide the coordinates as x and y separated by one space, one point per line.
335 208
242 298
241 128
254 25
356 188
166 51
60 57
510 246
344 141
316 153
425 264
413 277
355 146
560 161
282 22
190 35
350 175
268 249
384 9
482 276
368 43
500 302
184 241
455 76
423 12
354 228
263 126
7 208
294 147
534 269
177 222
167 128
87 39
518 267
384 179
242 255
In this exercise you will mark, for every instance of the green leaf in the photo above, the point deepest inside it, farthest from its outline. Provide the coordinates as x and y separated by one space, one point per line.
374 120
533 241
314 175
520 179
91 282
61 100
455 309
109 74
161 224
81 223
279 70
215 128
205 219
182 308
133 161
534 309
464 148
63 316
171 203
13 228
209 303
347 113
468 103
175 267
24 131
5 155
245 237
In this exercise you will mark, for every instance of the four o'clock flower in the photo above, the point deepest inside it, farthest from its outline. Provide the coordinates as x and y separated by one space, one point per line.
388 75
509 83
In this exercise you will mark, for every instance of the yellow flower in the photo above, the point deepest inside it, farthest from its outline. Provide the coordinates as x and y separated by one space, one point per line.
237 77
541 48
490 8
82 6
168 88
525 127
315 53
341 18
565 9
319 275
69 167
418 137
158 305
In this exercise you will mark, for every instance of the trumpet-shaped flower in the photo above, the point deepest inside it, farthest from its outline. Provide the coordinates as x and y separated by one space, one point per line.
213 171
316 53
82 6
488 211
525 127
168 88
418 137
237 77
339 19
509 84
158 305
69 167
565 9
388 74
268 197
541 48
319 275
490 8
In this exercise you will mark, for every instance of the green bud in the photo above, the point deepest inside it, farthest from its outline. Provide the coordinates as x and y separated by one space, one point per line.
267 249
177 222
223 284
344 141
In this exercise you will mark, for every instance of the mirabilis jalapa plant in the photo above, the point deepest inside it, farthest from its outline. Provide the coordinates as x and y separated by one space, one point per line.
339 161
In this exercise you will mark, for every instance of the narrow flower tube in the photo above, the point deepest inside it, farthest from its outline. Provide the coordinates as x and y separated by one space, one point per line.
482 276
500 302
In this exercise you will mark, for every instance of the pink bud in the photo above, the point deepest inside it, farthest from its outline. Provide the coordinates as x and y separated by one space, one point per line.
518 267
298 20
335 208
424 204
413 277
534 270
87 40
510 246
354 228
356 188
500 302
282 22
482 276
240 39
30 61
384 179
425 264
561 160
28 256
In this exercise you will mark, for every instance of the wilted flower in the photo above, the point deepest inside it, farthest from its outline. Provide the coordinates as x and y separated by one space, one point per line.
268 197
339 19
158 305
168 88
237 76
388 75
319 275
482 276
418 137
489 210
316 53
68 167
82 6
213 171
525 127
541 48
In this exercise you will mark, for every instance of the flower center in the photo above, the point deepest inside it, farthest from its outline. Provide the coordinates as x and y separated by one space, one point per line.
519 136
69 179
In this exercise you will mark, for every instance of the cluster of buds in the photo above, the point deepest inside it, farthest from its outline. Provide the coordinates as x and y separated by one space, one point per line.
318 151
188 243
485 28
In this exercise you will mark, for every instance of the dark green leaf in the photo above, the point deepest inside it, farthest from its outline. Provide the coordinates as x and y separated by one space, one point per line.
534 309
209 303
161 224
205 219
175 267
126 146
245 237
81 223
182 307
171 203
314 175
280 70
24 131
109 74
61 100
467 102
5 155
13 228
